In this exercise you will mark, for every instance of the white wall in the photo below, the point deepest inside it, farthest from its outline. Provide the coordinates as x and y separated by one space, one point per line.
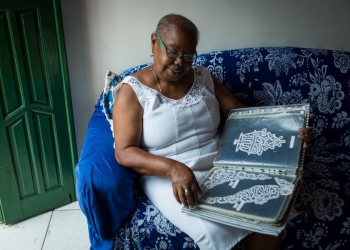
104 35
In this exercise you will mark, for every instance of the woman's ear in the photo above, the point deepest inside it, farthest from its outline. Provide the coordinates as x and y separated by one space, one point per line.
153 40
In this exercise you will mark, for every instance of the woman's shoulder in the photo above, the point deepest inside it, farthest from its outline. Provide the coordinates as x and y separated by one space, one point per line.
138 78
202 75
141 84
142 76
200 68
202 72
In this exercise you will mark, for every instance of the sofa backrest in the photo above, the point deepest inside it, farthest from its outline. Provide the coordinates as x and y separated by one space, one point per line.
287 75
276 76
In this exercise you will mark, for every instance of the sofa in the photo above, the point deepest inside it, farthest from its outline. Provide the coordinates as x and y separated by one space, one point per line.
262 77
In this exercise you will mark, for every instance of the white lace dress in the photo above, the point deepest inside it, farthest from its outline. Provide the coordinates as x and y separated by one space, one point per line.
185 130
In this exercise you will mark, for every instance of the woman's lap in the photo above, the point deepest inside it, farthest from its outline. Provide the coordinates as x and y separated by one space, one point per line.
206 234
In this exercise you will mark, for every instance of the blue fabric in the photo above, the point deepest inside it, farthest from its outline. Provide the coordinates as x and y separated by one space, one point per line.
147 228
274 76
104 188
106 100
107 95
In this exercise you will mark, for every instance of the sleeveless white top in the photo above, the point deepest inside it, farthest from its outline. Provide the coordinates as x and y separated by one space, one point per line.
185 130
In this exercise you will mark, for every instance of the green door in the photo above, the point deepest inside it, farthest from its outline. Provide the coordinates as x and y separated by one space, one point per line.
37 141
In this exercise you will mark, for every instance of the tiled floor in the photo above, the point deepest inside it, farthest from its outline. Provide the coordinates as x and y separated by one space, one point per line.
64 228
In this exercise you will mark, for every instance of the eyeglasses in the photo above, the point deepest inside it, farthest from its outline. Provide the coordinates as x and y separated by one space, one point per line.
174 55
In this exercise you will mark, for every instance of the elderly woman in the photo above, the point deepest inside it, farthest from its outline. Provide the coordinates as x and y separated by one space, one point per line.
167 130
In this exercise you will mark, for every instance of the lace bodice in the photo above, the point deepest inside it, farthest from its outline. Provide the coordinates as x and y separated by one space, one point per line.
193 96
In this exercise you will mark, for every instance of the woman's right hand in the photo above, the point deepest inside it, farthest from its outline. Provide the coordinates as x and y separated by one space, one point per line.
185 185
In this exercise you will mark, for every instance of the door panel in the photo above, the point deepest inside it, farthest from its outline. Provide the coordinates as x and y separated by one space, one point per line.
37 145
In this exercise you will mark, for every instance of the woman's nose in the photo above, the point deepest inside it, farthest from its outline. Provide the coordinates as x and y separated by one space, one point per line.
180 60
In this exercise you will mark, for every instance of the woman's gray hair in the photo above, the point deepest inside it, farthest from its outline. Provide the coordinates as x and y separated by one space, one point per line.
180 21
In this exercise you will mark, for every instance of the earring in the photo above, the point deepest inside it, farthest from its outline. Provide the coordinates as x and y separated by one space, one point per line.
151 55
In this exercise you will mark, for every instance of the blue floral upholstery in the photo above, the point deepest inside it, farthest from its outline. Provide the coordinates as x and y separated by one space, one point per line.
276 76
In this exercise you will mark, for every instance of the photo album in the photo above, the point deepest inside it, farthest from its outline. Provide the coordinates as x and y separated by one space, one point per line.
257 170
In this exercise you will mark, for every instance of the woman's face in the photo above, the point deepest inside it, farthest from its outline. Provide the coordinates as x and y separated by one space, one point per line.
177 42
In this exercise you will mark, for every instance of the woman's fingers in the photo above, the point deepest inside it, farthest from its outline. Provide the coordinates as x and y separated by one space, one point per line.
188 197
185 186
306 130
306 135
176 195
196 188
185 196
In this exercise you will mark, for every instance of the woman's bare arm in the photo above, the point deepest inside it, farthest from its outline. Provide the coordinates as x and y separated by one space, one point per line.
227 101
127 127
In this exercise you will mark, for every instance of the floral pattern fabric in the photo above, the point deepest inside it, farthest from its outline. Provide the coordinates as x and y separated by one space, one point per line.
277 76
148 229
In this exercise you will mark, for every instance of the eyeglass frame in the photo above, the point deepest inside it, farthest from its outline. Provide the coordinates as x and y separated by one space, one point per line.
168 53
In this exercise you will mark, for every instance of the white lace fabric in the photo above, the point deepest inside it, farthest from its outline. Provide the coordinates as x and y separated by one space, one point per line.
193 96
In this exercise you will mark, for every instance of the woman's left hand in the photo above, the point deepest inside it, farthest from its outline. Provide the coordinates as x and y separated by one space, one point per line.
306 135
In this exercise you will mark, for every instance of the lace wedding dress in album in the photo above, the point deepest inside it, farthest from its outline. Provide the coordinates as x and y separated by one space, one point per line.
257 170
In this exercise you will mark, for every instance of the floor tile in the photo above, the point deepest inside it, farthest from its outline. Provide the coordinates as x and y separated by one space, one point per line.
28 234
67 231
70 206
